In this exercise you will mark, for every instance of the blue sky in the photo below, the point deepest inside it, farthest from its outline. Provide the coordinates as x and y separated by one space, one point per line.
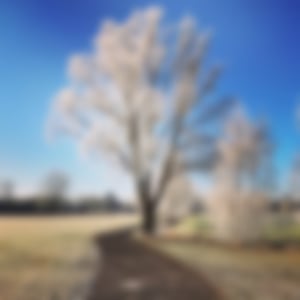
258 42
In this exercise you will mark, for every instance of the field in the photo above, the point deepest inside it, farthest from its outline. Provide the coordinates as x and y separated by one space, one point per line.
241 273
50 257
276 231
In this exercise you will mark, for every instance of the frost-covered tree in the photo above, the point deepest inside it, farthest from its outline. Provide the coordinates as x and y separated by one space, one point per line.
179 201
137 98
240 193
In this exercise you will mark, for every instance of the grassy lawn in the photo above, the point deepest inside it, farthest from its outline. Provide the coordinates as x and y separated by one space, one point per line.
241 273
200 226
50 257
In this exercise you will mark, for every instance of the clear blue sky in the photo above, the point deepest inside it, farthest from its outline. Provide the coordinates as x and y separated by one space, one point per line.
258 41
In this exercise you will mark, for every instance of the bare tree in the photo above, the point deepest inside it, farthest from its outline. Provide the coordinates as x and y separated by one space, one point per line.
6 189
138 97
54 187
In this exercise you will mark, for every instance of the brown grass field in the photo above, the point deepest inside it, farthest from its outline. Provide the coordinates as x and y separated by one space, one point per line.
242 273
50 257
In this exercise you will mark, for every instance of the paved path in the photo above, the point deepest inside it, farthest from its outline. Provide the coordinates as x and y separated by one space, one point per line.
131 271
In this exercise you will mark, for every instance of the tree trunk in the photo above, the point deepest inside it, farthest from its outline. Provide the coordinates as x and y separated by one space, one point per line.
149 217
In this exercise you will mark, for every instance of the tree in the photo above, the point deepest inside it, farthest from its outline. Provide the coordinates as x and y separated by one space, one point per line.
242 176
6 190
294 173
54 188
138 98
179 201
294 179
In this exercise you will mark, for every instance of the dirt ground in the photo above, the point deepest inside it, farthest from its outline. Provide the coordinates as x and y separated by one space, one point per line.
129 270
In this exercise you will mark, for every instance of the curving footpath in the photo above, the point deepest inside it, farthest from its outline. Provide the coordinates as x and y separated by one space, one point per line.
129 270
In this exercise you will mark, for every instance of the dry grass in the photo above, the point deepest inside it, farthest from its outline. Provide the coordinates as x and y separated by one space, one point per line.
50 257
242 273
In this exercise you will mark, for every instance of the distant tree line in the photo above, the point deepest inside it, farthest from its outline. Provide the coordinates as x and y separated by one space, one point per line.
53 199
37 205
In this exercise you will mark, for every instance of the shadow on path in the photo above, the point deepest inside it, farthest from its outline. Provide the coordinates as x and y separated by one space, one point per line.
131 271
